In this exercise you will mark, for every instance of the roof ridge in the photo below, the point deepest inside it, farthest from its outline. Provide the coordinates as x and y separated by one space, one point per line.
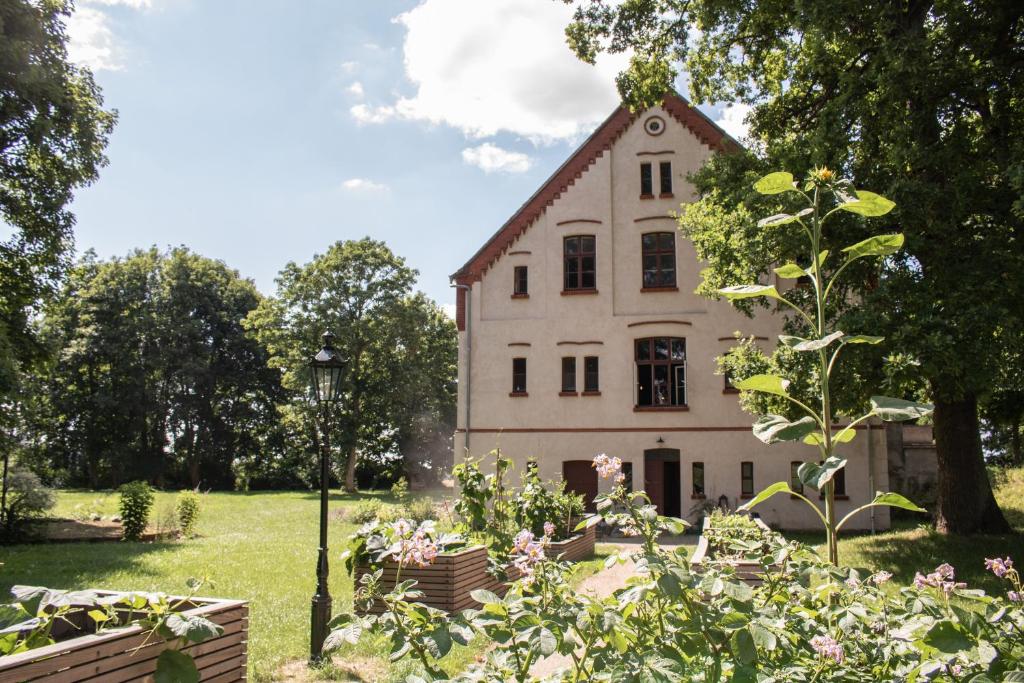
573 168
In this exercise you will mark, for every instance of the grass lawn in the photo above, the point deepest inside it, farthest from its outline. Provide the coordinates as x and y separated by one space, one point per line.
912 546
259 547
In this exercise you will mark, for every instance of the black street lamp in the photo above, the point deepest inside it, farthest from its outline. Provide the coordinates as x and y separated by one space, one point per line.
328 369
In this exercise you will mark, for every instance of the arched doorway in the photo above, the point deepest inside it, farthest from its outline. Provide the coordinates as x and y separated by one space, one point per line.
581 477
662 480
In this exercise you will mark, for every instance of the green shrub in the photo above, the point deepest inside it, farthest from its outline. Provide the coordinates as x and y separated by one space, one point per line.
27 498
400 490
135 504
420 510
365 512
188 512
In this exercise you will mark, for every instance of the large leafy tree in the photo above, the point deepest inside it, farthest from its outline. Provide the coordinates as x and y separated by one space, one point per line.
920 100
53 130
154 376
398 346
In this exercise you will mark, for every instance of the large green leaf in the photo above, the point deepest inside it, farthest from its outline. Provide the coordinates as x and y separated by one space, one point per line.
737 292
175 667
769 384
774 428
947 637
898 410
817 438
484 596
743 646
775 183
863 339
777 219
765 494
816 344
868 204
193 628
879 245
790 271
816 476
895 500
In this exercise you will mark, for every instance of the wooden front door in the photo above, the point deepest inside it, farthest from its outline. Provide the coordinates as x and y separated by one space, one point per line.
581 477
661 480
654 482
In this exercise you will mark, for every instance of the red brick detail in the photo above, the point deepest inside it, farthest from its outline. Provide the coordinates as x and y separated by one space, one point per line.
460 309
586 156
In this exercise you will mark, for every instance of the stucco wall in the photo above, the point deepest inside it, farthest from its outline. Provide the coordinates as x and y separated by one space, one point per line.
548 325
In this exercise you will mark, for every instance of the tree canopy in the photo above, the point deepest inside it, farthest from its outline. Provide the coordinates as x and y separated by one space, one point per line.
53 130
919 100
400 349
153 375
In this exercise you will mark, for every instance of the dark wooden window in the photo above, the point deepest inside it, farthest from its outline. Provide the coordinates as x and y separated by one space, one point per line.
659 259
794 476
518 375
569 374
580 262
698 479
728 381
627 472
646 181
661 372
666 177
840 480
520 281
747 478
590 374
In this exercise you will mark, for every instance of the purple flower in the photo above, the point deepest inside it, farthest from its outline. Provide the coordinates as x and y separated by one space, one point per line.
999 566
1013 596
826 646
943 577
608 467
878 578
549 529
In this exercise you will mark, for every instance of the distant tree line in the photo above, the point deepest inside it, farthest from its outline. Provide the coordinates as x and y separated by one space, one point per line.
171 368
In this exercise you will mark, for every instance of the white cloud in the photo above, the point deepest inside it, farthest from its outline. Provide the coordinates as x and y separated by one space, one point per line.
356 89
349 67
449 310
363 185
91 42
732 120
500 65
363 113
492 158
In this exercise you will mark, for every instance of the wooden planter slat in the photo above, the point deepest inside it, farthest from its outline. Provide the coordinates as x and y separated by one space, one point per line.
448 582
750 573
98 669
119 656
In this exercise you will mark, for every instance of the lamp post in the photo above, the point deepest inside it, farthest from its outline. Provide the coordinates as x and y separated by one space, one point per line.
327 368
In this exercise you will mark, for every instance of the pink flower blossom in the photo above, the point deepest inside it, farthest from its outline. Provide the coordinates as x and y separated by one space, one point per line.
607 467
999 566
1013 596
420 550
522 539
943 577
827 647
549 529
878 578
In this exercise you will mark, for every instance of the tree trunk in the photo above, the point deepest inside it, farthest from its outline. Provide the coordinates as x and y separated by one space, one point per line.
1015 445
353 451
965 503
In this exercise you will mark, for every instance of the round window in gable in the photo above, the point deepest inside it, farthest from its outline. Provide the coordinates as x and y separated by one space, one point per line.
655 125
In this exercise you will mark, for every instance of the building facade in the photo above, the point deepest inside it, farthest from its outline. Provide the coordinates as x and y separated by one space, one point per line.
580 333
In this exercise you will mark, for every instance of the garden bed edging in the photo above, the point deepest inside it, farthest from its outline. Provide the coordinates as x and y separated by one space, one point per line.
747 571
130 653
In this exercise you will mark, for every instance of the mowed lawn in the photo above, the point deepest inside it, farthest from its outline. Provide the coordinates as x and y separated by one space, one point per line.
259 547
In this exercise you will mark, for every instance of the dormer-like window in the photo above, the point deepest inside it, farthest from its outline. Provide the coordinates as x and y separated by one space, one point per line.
646 180
666 178
520 282
580 259
659 260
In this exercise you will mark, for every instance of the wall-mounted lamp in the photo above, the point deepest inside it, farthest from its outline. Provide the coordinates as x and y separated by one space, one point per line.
661 440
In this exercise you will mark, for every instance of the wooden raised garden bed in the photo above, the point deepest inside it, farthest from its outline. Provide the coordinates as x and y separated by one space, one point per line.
447 583
126 654
750 572
579 547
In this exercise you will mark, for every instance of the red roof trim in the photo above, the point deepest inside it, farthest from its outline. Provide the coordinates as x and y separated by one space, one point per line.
588 153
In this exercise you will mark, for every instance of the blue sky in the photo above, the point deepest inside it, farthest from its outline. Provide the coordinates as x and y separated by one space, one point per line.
260 132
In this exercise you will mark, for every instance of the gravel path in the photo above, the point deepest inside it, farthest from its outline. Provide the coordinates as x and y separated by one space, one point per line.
600 585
